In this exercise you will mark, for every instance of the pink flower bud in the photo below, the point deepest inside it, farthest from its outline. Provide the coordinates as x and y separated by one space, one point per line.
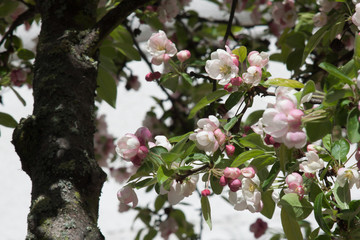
137 161
166 58
234 184
311 148
258 228
205 192
294 178
143 151
220 136
236 81
230 149
309 175
149 77
228 87
248 172
156 75
235 59
183 55
232 173
223 182
127 195
144 135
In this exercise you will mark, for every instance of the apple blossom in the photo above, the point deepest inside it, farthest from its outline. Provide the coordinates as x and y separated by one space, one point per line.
163 142
348 175
160 48
252 76
126 195
258 59
249 197
183 55
221 67
248 172
284 13
320 19
326 5
128 146
168 227
313 163
294 182
178 191
356 17
168 10
18 77
208 136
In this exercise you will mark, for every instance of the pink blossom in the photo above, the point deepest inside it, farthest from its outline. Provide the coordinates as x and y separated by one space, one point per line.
126 195
144 135
236 81
221 67
232 173
320 19
168 227
258 228
294 182
161 48
248 172
234 184
128 146
230 149
284 13
183 55
18 77
294 178
252 76
258 59
208 136
223 181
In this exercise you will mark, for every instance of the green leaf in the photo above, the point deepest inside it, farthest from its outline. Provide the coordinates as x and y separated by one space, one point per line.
353 126
342 195
241 52
128 50
299 209
170 157
247 155
25 54
215 185
340 149
146 182
327 142
151 234
318 213
253 117
316 130
231 123
7 120
269 204
233 99
290 225
293 61
262 161
336 94
179 138
187 78
314 191
254 140
159 202
161 177
271 177
197 157
336 72
308 88
206 211
107 89
284 82
207 100
18 96
314 40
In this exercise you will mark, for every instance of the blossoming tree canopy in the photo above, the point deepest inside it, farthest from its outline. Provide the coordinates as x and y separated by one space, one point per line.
300 153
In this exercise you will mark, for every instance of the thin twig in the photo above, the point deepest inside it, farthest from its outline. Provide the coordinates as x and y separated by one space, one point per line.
231 18
18 21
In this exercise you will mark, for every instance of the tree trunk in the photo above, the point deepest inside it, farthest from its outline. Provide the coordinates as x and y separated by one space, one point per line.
55 144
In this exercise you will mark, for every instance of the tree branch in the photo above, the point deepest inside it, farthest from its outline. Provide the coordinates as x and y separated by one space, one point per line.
18 21
114 18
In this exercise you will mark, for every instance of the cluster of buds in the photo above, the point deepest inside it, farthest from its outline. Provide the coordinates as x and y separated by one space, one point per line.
151 76
133 147
232 177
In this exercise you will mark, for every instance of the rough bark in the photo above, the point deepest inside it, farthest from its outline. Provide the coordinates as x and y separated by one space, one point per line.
55 143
